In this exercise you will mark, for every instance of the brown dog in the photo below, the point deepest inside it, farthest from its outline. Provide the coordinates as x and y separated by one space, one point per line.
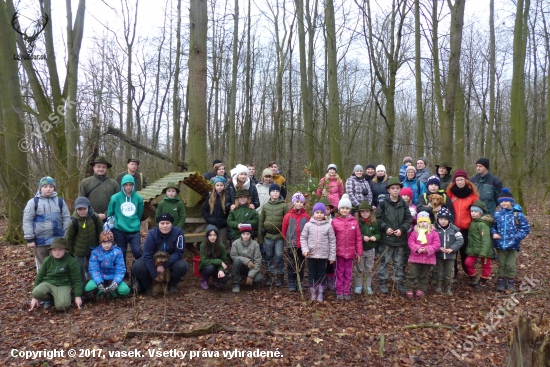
435 202
159 288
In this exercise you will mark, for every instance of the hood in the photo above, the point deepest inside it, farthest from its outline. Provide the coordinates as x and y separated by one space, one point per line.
175 198
128 179
39 195
488 218
78 217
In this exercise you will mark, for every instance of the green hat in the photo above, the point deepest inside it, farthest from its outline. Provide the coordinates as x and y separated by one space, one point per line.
325 201
394 181
365 206
101 159
480 204
444 164
59 242
171 185
240 193
133 160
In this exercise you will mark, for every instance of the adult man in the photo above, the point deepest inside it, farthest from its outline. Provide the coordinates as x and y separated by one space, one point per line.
99 188
278 177
133 165
422 171
211 174
488 185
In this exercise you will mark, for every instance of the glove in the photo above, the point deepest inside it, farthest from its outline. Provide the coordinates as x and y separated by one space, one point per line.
249 280
112 288
101 287
250 265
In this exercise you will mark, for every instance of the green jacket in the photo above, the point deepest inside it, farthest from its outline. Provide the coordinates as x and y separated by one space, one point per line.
216 262
369 230
479 237
139 178
271 219
130 220
394 215
101 195
247 251
242 214
81 241
62 272
175 207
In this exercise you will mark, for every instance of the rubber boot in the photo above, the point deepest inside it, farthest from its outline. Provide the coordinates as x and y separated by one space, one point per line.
268 279
438 286
279 281
474 281
383 284
401 288
501 284
511 286
313 292
291 286
448 289
320 290
331 282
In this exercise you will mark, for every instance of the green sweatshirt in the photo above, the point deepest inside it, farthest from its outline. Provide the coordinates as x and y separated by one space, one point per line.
60 272
242 214
216 262
369 230
126 209
175 207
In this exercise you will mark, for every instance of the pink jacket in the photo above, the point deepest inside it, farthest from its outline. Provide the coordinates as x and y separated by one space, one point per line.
432 247
335 190
349 242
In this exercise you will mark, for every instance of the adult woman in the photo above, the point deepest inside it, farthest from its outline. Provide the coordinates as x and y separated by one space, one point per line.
331 185
378 184
216 209
444 174
240 180
358 187
462 194
412 182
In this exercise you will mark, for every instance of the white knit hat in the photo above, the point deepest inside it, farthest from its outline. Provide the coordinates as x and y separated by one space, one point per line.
344 202
380 168
239 169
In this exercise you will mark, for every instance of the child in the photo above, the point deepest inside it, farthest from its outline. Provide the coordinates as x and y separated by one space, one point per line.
127 208
451 241
45 218
247 259
241 181
216 209
242 214
434 187
219 169
172 204
56 276
331 185
107 268
480 245
407 195
293 223
371 236
83 235
271 220
213 259
331 279
407 161
349 245
319 247
424 243
509 229
395 219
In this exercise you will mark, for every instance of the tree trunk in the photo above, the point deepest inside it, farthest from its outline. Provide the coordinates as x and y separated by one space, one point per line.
459 134
233 100
492 74
530 342
175 98
436 67
247 126
420 133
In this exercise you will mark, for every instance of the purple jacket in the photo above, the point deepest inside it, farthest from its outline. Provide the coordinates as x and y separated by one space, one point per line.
317 238
349 242
432 247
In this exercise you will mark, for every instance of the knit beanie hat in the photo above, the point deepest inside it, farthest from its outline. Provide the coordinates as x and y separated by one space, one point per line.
82 203
298 197
47 181
484 162
344 202
406 191
506 195
370 166
423 217
210 228
358 167
319 207
246 227
423 159
216 161
267 172
220 179
434 180
460 173
380 167
106 236
365 206
410 168
407 159
475 208
274 186
239 168
333 166
165 217
444 213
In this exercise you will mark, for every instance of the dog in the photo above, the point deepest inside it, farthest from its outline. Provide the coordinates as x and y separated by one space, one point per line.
159 288
435 201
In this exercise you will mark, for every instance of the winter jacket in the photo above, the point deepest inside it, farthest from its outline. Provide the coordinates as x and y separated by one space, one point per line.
84 239
107 265
172 242
245 252
209 261
293 224
99 189
402 173
217 218
47 222
263 196
242 214
333 190
418 188
431 247
318 238
370 230
461 206
423 174
175 207
394 215
423 201
126 209
60 272
446 181
358 190
349 243
271 219
512 227
139 179
231 191
489 188
378 187
449 237
479 237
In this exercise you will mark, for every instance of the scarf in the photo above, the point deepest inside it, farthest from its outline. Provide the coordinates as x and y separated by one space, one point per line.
422 235
461 192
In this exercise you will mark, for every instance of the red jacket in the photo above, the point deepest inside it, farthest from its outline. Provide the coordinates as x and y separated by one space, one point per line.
293 222
349 242
462 209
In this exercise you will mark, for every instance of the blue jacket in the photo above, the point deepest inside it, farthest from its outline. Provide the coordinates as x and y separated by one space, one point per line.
107 265
47 222
156 241
402 173
512 227
418 188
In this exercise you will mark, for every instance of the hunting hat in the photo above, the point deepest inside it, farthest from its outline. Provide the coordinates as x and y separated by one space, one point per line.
101 159
478 204
106 236
171 185
444 164
133 160
365 206
242 192
59 242
325 201
394 181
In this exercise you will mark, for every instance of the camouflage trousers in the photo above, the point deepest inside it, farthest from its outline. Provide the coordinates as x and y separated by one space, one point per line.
396 255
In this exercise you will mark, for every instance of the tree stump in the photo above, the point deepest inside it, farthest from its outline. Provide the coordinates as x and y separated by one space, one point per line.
530 342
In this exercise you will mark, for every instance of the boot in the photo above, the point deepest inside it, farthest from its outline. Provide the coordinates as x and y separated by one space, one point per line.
279 281
474 281
501 284
511 286
268 279
383 284
401 288
482 283
313 292
291 286
204 282
331 282
448 289
320 290
358 290
236 288
438 286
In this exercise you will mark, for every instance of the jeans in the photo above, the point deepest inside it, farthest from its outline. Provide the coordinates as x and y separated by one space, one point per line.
395 255
240 269
507 263
274 250
211 271
134 239
418 273
316 269
140 272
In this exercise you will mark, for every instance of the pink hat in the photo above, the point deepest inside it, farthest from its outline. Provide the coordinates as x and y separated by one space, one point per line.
406 191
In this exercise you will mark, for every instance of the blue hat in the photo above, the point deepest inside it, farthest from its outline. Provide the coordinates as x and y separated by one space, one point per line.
506 195
219 179
47 181
274 186
434 180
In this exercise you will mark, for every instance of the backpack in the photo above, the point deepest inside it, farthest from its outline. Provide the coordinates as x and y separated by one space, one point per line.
74 221
59 201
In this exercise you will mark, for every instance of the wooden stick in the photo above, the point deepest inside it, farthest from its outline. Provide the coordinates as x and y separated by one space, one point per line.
435 326
382 344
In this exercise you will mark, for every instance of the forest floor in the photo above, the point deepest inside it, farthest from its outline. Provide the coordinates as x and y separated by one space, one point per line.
470 328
